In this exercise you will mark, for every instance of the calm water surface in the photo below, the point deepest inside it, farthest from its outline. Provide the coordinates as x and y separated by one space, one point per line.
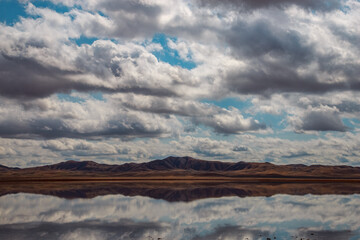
35 216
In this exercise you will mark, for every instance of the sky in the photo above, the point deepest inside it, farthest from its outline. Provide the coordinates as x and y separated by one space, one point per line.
135 80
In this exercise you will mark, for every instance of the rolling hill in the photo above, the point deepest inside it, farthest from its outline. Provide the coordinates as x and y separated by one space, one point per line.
177 168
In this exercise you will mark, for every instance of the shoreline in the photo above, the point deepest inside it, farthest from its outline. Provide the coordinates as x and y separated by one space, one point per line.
185 179
173 191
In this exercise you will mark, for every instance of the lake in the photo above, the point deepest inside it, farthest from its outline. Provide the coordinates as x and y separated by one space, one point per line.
157 214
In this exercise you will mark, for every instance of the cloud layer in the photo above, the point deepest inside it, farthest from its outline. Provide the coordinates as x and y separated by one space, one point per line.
164 71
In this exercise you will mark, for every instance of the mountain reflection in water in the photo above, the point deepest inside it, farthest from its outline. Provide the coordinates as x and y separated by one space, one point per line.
175 192
192 211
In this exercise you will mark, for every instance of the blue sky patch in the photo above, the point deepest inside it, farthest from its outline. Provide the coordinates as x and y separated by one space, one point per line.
11 11
60 8
351 123
69 98
274 122
84 40
169 55
230 102
98 96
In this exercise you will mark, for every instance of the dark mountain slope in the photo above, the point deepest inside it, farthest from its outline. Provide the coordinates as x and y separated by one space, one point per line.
5 168
179 167
170 163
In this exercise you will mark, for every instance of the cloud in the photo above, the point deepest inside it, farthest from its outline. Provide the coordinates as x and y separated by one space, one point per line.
88 119
321 5
321 119
326 234
125 229
298 155
230 122
226 121
51 63
240 149
27 78
330 149
134 19
163 105
297 60
273 57
233 232
282 61
135 116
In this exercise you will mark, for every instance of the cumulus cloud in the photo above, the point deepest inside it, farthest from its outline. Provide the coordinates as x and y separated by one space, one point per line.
30 55
92 118
275 57
290 60
27 78
230 121
227 121
320 119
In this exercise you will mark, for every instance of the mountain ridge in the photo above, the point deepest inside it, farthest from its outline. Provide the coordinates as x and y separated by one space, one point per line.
169 163
182 167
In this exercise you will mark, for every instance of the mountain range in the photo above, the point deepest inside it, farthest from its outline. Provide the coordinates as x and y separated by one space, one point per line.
185 168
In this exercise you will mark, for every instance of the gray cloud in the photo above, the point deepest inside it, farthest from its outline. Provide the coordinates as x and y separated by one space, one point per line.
276 78
21 77
89 119
57 128
322 119
221 120
326 235
123 229
321 5
275 58
240 149
229 123
130 19
254 39
135 116
162 105
234 232
278 57
345 34
298 154
145 23
347 106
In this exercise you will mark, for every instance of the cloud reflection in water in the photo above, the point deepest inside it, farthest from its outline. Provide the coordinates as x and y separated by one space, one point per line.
29 216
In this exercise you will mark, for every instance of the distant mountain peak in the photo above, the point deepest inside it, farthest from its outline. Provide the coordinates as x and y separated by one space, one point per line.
74 165
188 163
